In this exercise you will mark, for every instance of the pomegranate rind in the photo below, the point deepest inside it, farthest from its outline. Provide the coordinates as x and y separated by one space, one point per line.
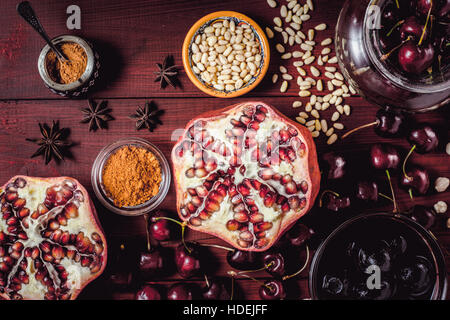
313 177
93 218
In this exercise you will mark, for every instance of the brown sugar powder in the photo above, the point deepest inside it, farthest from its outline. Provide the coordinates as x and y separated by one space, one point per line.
131 176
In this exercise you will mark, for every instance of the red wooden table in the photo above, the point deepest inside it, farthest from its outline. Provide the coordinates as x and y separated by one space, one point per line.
131 36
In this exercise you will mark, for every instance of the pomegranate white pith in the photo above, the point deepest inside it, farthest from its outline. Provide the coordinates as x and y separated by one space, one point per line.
51 244
245 174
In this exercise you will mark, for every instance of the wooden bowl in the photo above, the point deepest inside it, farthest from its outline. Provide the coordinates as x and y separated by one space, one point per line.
238 18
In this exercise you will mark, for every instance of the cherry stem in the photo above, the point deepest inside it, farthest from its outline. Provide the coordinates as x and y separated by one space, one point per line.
410 194
375 123
232 289
404 162
394 27
266 266
146 218
325 192
398 4
392 191
206 280
181 224
215 246
387 55
385 196
233 274
426 24
302 268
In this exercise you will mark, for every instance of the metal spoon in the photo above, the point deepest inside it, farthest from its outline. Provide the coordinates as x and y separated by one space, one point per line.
26 11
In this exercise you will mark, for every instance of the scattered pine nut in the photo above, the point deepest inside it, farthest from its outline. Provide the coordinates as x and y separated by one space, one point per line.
284 86
269 33
278 22
315 134
338 125
272 3
326 42
286 76
280 48
274 78
333 138
304 93
347 110
300 120
335 116
283 69
315 114
320 27
329 132
297 104
303 115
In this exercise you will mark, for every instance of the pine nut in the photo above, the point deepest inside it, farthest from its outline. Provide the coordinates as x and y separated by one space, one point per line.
315 134
315 72
315 114
320 27
283 69
310 60
335 116
297 104
310 123
304 93
286 76
278 22
286 56
284 87
297 54
300 120
272 3
303 115
310 5
347 110
329 132
324 125
280 48
319 85
338 125
333 60
332 139
326 42
308 107
274 78
269 33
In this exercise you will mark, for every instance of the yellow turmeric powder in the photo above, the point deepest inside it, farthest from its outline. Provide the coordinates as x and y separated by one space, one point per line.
131 176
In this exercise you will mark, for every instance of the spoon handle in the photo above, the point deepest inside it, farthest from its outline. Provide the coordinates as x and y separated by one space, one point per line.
26 11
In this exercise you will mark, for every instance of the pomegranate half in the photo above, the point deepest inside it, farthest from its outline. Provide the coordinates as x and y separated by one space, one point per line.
51 243
245 174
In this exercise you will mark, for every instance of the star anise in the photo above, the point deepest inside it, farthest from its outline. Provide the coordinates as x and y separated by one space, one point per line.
147 117
53 143
167 73
97 115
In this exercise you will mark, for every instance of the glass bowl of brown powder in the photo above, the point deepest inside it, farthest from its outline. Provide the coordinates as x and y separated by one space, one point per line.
131 177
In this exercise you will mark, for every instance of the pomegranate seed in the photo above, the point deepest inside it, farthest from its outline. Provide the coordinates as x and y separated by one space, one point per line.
248 111
211 165
199 164
285 207
45 246
285 179
235 161
179 151
236 123
294 202
262 234
35 253
58 252
256 184
19 203
24 212
190 173
243 244
263 191
292 131
263 226
303 186
48 257
245 119
262 109
291 154
195 221
302 203
266 174
85 261
201 191
192 191
212 206
53 224
291 187
251 133
259 116
62 220
241 217
215 196
20 183
11 196
12 229
284 136
249 201
232 225
71 211
232 191
261 243
204 215
246 236
222 189
254 125
256 218
239 208
22 236
269 199
196 201
201 173
56 235
184 212
12 221
236 199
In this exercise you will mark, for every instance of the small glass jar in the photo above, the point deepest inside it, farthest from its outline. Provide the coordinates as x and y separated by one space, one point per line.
97 177
85 82
358 52
366 227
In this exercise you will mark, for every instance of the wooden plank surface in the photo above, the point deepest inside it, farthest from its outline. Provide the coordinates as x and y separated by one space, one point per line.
132 36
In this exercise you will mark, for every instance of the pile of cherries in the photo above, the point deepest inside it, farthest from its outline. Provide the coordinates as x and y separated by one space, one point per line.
415 35
414 179
189 260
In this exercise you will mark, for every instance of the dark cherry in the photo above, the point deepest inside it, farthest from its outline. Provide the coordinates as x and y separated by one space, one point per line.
179 291
188 263
243 260
444 11
148 292
336 203
390 14
375 254
423 7
274 262
417 179
416 275
425 216
412 27
215 291
390 123
151 263
398 246
160 230
424 138
384 156
298 235
272 290
367 191
414 59
334 165
333 285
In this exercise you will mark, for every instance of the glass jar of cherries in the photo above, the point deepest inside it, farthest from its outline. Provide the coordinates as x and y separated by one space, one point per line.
396 52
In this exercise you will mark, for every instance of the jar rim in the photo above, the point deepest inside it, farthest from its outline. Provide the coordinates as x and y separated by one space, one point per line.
374 54
97 172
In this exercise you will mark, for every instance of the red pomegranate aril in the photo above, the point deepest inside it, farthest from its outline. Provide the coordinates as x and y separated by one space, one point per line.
71 211
256 217
254 125
259 116
284 136
285 207
190 207
232 225
266 174
12 221
245 119
294 202
58 252
11 196
241 217
204 215
236 199
19 203
291 187
24 212
263 226
35 253
190 173
246 236
291 154
269 199
201 173
195 221
53 224
64 238
201 191
211 206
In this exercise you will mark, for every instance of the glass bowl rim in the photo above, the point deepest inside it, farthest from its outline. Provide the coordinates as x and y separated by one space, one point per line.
97 169
440 290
